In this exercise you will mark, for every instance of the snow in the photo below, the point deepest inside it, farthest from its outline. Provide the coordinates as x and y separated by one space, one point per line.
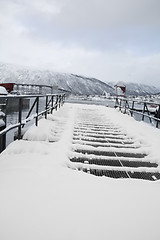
2 123
2 115
42 198
3 91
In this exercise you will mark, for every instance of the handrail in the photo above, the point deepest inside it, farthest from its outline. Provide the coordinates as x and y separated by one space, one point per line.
125 104
53 101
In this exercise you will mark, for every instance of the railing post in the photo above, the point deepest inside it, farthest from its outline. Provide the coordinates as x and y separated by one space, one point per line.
116 103
37 109
2 142
63 99
120 105
143 111
132 109
3 126
157 124
46 107
59 101
20 119
125 106
56 102
158 116
52 104
148 113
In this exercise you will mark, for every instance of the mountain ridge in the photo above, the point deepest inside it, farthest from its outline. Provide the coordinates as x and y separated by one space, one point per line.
74 83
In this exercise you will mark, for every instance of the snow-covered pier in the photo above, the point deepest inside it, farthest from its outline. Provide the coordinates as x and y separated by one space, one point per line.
50 185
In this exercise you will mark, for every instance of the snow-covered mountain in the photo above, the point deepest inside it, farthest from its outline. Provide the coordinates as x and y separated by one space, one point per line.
75 84
137 89
140 89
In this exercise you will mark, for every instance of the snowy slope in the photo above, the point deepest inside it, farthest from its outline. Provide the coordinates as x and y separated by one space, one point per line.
74 83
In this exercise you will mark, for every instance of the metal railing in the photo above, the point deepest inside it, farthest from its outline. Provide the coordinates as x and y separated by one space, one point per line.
150 110
52 101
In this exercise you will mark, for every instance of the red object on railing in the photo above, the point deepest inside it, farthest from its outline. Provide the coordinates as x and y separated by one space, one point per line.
8 86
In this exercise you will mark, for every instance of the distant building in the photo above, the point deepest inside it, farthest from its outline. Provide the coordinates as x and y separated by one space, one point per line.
106 94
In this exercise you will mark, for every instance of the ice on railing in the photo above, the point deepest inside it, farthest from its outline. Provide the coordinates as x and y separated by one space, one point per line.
2 114
2 123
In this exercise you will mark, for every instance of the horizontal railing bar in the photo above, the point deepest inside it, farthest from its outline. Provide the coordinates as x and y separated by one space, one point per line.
20 96
28 96
48 109
140 113
10 127
137 101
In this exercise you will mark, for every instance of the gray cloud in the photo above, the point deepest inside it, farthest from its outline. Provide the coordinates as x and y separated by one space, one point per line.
111 40
103 13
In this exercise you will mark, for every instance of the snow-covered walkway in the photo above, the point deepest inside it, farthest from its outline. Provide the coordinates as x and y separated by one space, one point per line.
103 148
44 196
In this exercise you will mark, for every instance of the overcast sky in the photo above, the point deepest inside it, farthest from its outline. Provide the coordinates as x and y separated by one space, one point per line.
113 40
